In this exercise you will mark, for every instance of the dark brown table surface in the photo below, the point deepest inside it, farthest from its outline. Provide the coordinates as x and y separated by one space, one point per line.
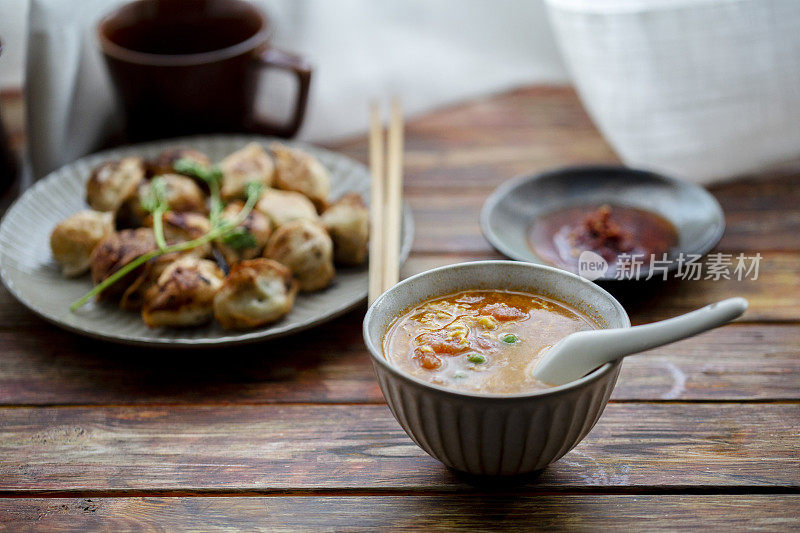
295 433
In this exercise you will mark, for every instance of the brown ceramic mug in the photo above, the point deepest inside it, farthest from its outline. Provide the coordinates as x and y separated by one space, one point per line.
191 66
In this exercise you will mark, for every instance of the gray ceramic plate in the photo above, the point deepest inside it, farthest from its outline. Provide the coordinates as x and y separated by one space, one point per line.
30 273
510 210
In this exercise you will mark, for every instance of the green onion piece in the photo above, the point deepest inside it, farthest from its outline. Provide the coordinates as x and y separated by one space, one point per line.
510 338
459 374
476 358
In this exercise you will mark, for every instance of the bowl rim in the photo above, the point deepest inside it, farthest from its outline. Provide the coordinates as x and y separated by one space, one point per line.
493 200
376 353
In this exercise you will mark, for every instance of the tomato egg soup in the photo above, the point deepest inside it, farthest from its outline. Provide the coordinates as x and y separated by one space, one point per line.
480 341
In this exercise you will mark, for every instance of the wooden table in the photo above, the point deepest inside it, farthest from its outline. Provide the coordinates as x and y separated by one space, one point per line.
295 433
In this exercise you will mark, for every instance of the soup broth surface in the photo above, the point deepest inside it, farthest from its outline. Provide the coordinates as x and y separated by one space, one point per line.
480 341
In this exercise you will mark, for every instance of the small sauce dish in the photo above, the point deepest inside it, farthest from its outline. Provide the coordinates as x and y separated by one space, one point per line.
516 215
488 433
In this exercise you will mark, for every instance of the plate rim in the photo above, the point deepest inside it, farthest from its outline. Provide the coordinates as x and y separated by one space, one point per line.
504 189
233 339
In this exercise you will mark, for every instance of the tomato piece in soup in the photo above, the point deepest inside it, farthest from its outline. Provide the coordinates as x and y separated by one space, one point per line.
427 360
503 312
443 342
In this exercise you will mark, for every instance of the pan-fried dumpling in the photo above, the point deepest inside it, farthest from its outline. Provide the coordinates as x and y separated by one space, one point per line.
178 227
113 182
74 238
255 292
182 226
165 162
183 195
117 250
282 207
248 241
296 170
133 297
183 295
307 250
251 163
347 222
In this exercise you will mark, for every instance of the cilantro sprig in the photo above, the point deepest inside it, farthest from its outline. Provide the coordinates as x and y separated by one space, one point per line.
212 176
156 203
218 230
240 239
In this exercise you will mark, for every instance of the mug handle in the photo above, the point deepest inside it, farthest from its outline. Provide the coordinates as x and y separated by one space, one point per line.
275 58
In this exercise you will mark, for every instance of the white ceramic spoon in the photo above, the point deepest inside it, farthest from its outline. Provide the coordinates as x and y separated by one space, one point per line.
577 354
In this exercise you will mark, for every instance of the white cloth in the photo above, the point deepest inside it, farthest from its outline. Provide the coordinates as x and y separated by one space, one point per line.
701 89
70 110
427 52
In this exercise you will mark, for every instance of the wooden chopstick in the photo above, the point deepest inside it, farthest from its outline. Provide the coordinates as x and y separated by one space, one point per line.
377 211
394 197
386 198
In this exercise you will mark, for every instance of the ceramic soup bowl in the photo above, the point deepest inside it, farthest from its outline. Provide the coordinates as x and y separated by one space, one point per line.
494 434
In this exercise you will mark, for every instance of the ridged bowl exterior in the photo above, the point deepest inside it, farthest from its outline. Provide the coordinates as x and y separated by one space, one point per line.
505 437
494 434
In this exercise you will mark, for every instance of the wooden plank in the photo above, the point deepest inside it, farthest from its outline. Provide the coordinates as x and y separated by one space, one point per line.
450 222
460 154
577 512
279 448
761 215
762 212
529 128
774 296
46 365
456 156
739 362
